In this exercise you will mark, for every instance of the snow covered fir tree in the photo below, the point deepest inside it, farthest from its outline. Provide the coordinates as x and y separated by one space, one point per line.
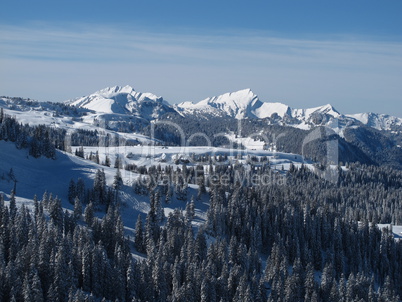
98 205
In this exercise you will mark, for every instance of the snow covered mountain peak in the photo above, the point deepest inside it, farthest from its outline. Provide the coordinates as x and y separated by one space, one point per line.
328 109
110 91
123 100
239 104
241 98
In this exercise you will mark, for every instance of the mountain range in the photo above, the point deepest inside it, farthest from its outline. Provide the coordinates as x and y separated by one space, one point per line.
238 105
120 110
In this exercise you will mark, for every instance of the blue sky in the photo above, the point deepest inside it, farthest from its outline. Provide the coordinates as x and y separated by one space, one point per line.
302 53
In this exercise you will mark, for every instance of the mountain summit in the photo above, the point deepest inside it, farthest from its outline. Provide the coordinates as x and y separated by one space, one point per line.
124 100
239 104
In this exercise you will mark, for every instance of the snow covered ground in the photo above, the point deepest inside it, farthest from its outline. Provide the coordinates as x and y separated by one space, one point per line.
161 155
92 121
396 230
35 176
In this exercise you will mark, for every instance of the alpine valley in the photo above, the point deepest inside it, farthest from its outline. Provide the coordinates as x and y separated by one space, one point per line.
122 196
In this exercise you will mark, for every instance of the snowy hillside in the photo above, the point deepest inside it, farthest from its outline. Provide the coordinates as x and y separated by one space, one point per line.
34 176
72 119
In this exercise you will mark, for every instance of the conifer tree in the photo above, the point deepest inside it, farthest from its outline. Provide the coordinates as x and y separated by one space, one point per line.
190 209
117 162
56 212
107 161
72 191
118 180
77 209
13 205
89 213
99 187
139 235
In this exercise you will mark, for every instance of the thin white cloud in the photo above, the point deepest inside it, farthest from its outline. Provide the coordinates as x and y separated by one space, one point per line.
112 44
53 63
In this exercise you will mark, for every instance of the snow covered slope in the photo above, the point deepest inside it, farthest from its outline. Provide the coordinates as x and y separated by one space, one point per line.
72 119
37 175
270 109
34 176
